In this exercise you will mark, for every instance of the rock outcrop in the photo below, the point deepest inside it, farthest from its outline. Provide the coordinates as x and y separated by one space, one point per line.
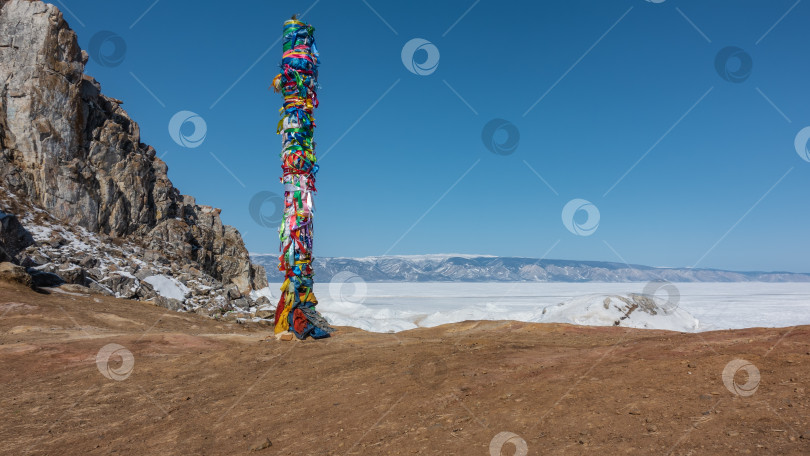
71 158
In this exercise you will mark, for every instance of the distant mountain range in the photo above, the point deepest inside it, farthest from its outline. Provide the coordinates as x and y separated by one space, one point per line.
482 268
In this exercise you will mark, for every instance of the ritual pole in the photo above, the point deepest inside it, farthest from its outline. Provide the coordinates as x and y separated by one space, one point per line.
297 82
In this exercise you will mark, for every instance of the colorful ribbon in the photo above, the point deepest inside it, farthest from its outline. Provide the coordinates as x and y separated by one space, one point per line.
297 82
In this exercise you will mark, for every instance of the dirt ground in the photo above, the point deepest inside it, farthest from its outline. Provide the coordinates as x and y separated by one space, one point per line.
185 384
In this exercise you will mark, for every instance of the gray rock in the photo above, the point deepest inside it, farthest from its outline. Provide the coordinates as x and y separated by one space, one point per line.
56 240
87 261
42 278
241 303
13 237
70 150
96 287
144 273
145 291
232 292
95 274
169 303
123 285
33 258
72 273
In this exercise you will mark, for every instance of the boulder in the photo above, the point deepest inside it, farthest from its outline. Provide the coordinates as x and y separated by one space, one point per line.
96 287
42 278
241 303
122 284
266 312
13 237
169 303
12 273
72 273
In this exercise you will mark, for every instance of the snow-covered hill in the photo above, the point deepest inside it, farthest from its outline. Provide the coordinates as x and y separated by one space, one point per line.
482 268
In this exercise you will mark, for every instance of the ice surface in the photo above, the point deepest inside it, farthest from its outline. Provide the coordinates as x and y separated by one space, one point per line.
611 310
386 307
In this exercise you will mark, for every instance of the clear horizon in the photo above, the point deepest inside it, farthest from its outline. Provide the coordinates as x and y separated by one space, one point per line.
472 255
640 132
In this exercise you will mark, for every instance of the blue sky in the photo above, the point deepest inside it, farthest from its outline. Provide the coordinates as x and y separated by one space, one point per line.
595 90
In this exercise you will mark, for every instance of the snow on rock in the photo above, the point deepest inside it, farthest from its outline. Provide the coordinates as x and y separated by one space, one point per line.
267 292
168 287
631 311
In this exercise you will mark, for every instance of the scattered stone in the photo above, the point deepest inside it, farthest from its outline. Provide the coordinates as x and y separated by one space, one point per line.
56 240
88 261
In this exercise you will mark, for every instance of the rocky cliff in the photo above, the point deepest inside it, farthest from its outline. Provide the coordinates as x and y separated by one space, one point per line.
82 196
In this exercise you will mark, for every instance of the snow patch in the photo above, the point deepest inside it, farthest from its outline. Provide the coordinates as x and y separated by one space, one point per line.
267 292
168 287
631 311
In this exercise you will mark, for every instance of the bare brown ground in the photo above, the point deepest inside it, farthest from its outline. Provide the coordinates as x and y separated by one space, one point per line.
200 386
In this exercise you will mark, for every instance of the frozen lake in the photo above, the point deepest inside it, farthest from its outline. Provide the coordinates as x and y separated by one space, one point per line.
383 307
